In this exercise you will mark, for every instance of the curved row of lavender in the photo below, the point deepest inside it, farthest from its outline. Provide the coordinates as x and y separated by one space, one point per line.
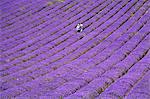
43 56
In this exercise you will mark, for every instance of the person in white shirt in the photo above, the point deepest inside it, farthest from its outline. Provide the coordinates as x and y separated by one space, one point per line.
79 27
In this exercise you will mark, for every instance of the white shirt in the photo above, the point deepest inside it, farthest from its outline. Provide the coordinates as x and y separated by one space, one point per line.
79 27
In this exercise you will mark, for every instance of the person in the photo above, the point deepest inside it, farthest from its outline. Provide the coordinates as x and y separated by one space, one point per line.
79 27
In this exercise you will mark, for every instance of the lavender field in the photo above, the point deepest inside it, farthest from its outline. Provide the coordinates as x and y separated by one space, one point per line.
42 56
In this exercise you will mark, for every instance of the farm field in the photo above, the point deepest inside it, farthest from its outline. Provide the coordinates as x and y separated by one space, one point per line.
42 56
